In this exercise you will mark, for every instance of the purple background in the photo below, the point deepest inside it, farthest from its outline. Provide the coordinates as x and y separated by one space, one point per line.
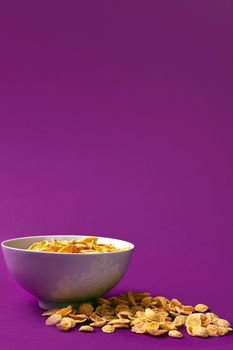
116 119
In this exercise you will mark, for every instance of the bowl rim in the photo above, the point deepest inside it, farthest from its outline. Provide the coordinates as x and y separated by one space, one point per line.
3 245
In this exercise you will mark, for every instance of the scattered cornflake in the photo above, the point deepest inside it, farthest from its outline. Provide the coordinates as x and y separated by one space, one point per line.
152 327
95 318
65 311
131 299
120 325
139 327
199 331
66 323
146 302
104 310
187 310
49 312
98 324
175 334
168 325
53 319
108 328
79 318
117 320
141 313
125 314
180 320
85 308
86 329
201 308
157 332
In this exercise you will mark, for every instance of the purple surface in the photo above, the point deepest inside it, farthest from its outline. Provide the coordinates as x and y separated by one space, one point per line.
116 119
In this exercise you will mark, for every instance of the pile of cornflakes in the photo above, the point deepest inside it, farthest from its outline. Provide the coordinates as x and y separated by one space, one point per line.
140 313
86 245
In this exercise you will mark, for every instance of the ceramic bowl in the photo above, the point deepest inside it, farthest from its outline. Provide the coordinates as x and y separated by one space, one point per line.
58 279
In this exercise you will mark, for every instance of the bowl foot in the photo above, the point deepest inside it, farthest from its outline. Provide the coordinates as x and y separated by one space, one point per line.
46 305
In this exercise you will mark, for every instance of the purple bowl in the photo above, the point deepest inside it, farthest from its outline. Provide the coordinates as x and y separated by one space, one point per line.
58 279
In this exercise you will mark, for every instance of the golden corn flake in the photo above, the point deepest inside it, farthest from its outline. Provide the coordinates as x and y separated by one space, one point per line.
64 311
201 308
85 308
146 301
199 331
151 315
194 320
138 296
121 307
131 299
104 310
53 319
186 309
120 325
117 320
156 332
180 320
79 318
141 315
176 301
108 329
175 334
95 318
98 324
66 323
135 309
152 326
139 328
86 329
108 317
125 314
168 325
74 246
49 312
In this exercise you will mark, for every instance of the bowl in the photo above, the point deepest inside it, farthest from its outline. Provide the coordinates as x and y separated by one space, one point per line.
58 279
